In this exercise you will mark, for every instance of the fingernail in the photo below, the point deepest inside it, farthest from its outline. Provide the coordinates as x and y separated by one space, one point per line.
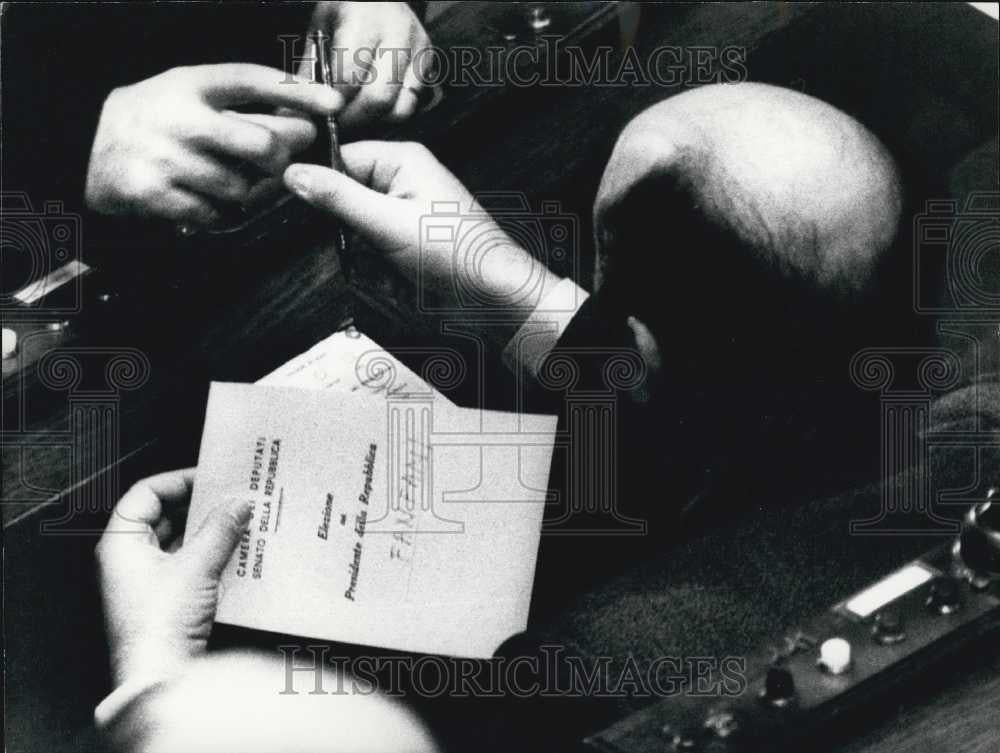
333 100
406 105
298 179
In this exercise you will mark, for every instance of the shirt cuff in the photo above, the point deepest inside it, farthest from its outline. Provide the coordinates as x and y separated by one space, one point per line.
541 332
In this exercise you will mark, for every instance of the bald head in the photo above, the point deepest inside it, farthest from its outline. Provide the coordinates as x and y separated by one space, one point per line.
795 182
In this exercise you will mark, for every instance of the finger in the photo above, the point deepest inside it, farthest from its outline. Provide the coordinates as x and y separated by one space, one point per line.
307 65
385 165
378 97
242 140
387 221
204 175
295 131
211 547
352 60
179 204
417 70
284 112
144 505
228 84
409 96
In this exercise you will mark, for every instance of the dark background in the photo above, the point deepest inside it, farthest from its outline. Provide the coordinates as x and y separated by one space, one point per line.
923 78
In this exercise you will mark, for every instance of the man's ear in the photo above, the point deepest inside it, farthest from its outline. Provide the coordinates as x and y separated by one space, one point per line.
649 349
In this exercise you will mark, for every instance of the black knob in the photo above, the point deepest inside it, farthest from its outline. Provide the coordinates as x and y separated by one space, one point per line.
944 596
979 541
888 627
779 686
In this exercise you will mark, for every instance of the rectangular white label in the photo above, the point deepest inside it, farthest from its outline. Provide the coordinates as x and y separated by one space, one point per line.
41 288
888 589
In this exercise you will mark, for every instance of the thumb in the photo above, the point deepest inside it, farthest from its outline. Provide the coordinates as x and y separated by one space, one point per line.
388 222
212 546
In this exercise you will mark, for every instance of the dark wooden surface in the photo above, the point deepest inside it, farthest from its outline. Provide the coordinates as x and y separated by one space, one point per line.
961 716
905 72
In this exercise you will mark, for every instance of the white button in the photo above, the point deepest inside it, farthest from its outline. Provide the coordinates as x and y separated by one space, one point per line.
835 655
9 342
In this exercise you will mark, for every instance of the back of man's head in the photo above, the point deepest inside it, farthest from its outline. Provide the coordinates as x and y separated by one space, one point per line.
716 197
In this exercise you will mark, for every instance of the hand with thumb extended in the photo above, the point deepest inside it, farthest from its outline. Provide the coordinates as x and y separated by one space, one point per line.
159 594
423 221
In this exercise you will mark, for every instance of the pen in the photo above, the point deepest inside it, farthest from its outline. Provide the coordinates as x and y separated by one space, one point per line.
324 75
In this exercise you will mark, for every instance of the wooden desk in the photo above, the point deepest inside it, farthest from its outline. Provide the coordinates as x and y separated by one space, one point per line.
550 144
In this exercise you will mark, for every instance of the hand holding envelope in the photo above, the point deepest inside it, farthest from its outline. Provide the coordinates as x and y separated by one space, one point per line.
382 518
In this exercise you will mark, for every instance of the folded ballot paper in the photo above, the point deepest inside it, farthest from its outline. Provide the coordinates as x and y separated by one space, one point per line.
383 514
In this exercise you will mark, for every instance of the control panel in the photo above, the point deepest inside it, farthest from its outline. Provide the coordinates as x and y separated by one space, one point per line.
847 656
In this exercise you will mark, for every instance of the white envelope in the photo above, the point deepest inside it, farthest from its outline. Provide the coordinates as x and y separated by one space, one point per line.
404 522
